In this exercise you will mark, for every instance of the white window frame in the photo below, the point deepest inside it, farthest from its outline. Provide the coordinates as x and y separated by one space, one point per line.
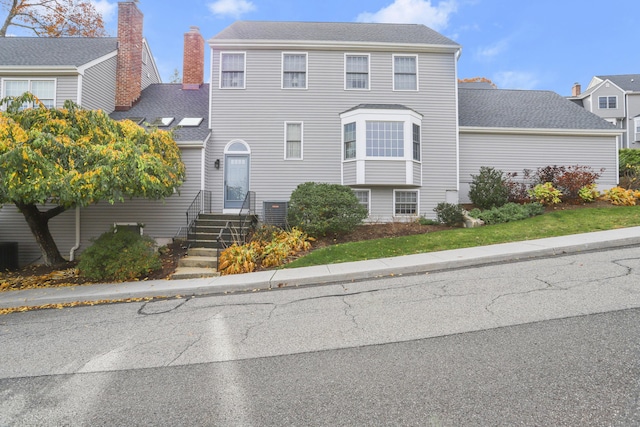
361 116
364 190
393 65
306 71
3 90
368 56
417 212
607 107
286 140
344 141
244 70
636 126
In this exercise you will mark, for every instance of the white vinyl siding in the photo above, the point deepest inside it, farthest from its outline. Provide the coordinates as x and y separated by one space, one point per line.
294 70
232 70
356 71
405 72
293 141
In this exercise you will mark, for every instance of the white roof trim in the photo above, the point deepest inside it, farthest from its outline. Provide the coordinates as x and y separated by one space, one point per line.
330 45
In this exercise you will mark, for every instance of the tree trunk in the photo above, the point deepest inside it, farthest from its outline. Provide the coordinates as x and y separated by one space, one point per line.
39 225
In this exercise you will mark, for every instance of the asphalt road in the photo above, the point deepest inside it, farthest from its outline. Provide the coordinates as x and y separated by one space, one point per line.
542 342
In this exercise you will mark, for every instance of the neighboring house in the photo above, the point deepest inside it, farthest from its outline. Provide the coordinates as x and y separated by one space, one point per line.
615 98
376 107
513 130
119 76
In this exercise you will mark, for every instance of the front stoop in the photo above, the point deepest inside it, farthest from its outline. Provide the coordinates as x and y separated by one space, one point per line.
199 262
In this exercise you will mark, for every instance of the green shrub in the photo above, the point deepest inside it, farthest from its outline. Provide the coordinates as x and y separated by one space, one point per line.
124 255
488 189
319 209
589 193
628 157
546 194
507 213
449 214
427 221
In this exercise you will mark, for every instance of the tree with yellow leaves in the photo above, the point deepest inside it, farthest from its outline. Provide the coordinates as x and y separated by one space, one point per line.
68 157
52 18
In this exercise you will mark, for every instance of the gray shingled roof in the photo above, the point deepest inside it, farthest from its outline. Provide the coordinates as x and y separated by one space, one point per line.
43 51
531 109
378 107
333 32
169 100
626 82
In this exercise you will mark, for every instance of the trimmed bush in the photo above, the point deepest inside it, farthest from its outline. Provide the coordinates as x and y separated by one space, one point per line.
449 214
124 255
319 209
488 189
507 213
546 194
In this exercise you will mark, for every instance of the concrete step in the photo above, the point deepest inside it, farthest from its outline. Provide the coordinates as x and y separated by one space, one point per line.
198 261
206 252
193 273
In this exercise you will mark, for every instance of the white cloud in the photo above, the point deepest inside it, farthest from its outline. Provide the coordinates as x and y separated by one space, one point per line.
233 8
489 52
106 9
414 12
515 80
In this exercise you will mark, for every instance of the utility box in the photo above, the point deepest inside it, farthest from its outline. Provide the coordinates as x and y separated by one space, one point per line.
275 213
8 256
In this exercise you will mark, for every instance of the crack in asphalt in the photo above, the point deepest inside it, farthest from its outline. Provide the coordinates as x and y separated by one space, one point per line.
197 340
142 312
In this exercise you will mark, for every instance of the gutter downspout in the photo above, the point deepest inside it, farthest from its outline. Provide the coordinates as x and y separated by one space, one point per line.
77 245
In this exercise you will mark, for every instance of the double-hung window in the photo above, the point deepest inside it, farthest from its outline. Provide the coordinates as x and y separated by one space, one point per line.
350 141
607 102
44 90
356 71
293 141
405 72
405 202
294 70
416 142
363 197
232 70
636 122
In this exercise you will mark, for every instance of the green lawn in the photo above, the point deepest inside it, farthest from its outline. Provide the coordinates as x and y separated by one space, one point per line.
558 223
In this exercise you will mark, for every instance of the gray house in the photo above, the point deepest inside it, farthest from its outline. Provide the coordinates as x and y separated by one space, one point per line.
376 107
615 98
513 130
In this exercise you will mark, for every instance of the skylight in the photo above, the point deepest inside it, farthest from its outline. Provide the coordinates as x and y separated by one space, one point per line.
136 120
162 121
190 121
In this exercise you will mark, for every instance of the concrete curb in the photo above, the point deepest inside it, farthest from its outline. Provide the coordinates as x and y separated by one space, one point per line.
332 273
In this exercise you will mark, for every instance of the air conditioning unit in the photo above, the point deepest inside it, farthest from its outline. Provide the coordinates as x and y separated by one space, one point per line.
275 213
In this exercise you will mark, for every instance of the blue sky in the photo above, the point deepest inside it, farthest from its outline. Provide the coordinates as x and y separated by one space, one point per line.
518 44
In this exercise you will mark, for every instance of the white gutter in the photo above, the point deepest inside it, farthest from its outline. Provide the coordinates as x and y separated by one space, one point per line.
77 245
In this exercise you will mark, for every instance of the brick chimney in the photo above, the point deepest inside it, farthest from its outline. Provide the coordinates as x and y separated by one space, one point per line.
193 60
576 89
129 68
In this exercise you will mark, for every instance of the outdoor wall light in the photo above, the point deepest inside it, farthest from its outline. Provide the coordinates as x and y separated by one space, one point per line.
216 164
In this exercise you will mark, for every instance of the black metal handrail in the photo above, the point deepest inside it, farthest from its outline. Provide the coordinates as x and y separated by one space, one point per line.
201 204
247 210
